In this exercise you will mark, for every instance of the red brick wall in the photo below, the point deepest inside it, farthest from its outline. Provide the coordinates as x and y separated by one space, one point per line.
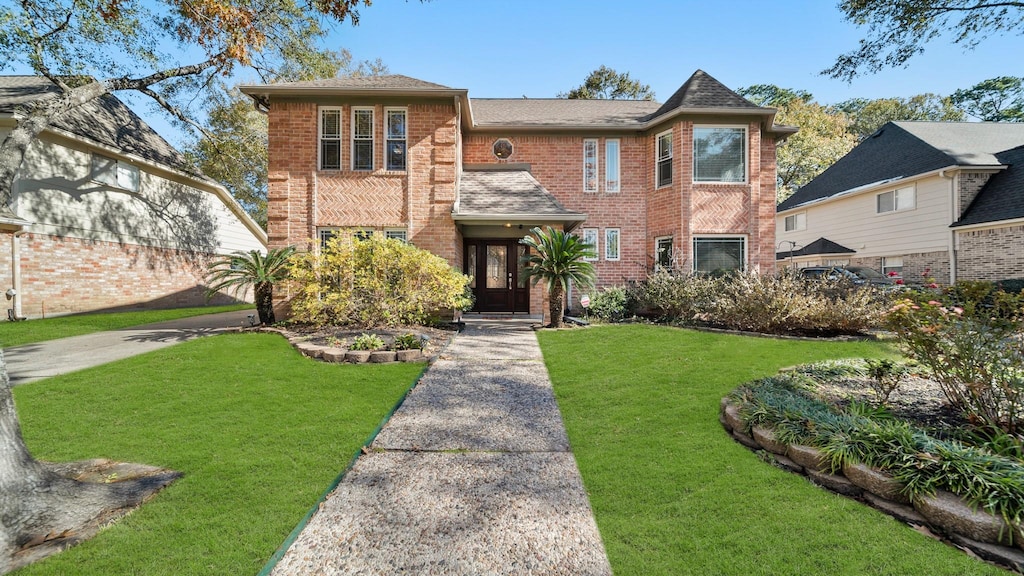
107 275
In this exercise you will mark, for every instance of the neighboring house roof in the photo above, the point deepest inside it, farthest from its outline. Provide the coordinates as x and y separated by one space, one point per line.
1002 197
105 120
560 112
905 149
819 246
504 194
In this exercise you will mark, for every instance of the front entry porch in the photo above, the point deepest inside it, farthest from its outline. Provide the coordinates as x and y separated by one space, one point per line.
498 283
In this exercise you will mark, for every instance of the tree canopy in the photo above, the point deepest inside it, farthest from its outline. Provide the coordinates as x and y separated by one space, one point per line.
607 84
898 30
994 100
867 116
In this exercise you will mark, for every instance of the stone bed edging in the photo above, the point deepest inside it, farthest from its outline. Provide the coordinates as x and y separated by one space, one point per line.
944 513
339 355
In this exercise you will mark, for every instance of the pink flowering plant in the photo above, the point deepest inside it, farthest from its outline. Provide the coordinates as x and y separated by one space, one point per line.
974 351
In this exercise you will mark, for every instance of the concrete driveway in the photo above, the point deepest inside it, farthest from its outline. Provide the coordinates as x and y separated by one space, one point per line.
32 362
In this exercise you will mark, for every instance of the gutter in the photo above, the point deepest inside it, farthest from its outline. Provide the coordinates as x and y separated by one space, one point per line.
878 185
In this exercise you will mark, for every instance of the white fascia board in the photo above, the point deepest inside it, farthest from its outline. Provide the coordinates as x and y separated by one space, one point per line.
873 187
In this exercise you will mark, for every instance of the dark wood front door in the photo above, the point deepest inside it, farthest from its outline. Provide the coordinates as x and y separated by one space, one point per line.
497 282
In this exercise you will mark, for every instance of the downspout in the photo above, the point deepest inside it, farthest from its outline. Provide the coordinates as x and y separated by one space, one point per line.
14 313
954 208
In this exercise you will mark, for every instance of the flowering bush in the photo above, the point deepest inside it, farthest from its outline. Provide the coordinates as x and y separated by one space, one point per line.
374 282
975 353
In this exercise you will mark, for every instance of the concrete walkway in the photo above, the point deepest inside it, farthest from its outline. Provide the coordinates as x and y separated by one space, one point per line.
32 362
472 475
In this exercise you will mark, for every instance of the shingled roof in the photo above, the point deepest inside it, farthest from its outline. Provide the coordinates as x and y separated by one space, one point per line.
703 91
385 82
105 121
560 112
1002 197
507 194
819 246
904 149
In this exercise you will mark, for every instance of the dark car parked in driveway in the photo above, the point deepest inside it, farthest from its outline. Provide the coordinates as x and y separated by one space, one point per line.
859 275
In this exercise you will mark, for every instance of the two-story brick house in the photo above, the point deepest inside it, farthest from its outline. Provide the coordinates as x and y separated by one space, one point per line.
689 183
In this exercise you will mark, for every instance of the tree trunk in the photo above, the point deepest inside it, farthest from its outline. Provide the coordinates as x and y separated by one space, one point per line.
264 296
44 508
555 306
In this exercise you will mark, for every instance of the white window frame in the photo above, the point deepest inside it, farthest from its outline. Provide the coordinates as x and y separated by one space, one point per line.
325 233
404 139
612 169
608 243
659 158
744 239
590 236
321 137
397 233
890 263
371 138
114 173
900 202
657 252
590 165
746 153
799 222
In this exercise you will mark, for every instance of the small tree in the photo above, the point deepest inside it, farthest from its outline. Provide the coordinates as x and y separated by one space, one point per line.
237 272
557 258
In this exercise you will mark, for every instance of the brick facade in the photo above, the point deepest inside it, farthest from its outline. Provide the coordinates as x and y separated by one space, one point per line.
990 254
970 184
914 266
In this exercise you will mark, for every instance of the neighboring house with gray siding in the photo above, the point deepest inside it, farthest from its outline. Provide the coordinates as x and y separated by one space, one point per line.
941 196
106 214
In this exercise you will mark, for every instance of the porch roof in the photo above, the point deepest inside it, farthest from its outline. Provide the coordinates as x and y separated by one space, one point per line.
508 194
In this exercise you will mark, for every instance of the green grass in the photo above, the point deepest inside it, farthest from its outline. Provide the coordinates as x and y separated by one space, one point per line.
674 494
29 331
258 430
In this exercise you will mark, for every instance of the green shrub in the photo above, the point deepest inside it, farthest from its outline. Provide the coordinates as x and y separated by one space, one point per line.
408 342
886 376
368 342
374 282
610 304
674 297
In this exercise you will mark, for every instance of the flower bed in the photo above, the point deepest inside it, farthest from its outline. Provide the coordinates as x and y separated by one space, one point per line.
381 345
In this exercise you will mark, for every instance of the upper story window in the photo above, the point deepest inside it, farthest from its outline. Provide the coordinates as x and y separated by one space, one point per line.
796 222
362 138
330 138
611 165
719 154
895 200
663 158
502 148
115 173
590 165
590 238
719 253
396 136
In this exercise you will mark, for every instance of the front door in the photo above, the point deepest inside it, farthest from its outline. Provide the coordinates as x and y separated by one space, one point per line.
497 282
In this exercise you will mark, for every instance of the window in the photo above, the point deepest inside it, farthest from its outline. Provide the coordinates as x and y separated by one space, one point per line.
502 148
796 222
719 254
895 200
611 243
115 173
330 138
362 234
719 154
839 262
397 233
396 138
663 253
326 234
892 266
590 237
590 165
611 165
663 157
362 138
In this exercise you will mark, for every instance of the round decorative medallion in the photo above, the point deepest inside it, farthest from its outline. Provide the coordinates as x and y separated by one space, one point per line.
502 148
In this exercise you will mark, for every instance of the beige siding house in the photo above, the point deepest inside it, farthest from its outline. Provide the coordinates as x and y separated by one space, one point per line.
921 199
107 215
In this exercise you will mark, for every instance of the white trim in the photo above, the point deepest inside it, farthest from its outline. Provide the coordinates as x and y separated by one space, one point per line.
884 184
372 139
595 244
618 244
587 142
399 233
657 158
404 139
320 135
743 237
895 200
746 153
800 223
618 166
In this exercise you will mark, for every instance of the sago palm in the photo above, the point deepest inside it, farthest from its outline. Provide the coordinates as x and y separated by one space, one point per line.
557 258
238 271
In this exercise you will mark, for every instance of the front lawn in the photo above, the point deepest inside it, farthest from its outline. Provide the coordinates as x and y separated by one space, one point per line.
674 494
40 330
258 430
